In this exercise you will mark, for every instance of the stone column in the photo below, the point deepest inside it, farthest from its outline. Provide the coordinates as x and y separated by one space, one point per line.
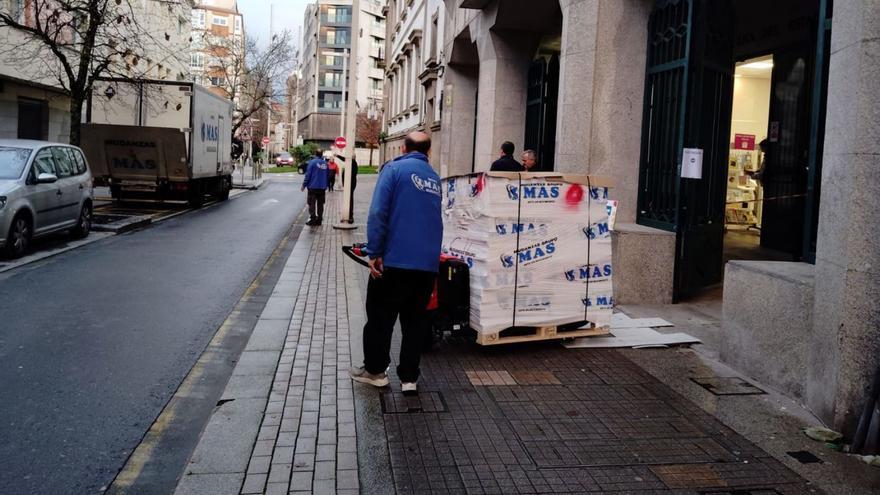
576 78
503 80
458 120
845 344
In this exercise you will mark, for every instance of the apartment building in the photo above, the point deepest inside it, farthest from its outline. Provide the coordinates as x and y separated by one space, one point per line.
414 76
218 45
327 35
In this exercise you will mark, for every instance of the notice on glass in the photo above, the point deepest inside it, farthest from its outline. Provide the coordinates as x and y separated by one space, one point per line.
692 163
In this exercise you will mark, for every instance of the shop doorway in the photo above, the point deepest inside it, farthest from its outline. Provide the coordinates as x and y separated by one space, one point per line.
723 76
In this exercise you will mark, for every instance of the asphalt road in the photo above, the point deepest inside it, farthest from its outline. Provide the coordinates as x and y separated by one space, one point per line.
94 342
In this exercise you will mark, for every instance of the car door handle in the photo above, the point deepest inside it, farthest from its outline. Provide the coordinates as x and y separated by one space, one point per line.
80 187
58 193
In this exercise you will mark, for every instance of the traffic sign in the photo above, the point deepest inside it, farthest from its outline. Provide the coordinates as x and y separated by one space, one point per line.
341 142
265 140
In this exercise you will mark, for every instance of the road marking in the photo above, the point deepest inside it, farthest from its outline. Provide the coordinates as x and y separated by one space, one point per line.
144 452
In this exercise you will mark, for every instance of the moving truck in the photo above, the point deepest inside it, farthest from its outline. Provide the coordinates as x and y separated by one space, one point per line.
159 140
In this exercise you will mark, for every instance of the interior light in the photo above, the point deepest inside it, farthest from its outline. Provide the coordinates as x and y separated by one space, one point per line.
761 64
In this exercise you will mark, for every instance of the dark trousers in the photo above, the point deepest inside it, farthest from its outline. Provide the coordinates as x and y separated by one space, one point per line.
331 180
316 204
404 293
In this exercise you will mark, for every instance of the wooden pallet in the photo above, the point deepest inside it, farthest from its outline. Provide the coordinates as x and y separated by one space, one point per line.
532 334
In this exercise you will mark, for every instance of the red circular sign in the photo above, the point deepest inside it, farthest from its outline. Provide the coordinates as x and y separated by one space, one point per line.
265 140
341 142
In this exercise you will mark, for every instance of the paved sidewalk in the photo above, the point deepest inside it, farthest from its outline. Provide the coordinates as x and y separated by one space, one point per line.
533 418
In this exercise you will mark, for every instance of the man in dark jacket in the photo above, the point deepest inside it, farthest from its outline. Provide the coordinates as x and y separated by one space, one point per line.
316 181
404 232
507 163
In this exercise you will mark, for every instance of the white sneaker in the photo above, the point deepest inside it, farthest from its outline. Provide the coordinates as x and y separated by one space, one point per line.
409 388
363 376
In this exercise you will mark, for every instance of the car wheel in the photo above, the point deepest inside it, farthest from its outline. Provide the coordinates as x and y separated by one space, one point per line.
84 223
19 239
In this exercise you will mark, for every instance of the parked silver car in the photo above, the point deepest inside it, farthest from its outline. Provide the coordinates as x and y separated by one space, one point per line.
44 188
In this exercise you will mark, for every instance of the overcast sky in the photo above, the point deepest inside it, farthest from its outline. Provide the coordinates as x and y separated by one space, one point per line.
286 14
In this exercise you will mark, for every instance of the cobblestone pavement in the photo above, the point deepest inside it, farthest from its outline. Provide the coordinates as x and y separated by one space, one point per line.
533 418
542 419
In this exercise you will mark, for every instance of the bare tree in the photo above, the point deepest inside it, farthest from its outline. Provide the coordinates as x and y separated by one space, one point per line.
75 42
252 77
369 129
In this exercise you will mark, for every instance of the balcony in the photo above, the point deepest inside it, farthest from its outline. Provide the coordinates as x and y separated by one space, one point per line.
334 42
344 20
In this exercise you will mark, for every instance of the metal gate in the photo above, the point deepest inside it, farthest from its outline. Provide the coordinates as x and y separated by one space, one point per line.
688 102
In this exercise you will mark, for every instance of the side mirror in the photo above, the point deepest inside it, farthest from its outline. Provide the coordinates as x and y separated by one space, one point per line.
47 179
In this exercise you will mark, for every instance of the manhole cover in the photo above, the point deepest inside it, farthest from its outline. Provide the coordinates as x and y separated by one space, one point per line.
424 402
729 385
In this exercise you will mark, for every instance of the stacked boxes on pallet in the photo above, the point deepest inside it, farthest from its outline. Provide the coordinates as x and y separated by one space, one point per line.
538 246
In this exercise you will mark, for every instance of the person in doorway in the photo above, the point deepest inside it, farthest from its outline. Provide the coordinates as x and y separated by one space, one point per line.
507 163
316 182
758 175
404 231
354 184
530 161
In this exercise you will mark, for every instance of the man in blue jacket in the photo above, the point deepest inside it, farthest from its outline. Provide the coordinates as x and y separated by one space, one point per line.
404 232
316 181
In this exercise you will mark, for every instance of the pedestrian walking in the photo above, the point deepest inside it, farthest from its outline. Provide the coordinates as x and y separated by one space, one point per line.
316 182
404 231
332 170
507 163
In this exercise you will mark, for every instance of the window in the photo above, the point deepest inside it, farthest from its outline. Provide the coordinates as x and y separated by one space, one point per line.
63 163
197 60
219 21
78 160
43 163
336 37
12 162
198 18
218 81
238 24
434 37
33 119
16 7
333 79
330 101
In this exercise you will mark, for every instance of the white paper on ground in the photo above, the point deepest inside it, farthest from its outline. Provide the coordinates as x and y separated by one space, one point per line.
620 320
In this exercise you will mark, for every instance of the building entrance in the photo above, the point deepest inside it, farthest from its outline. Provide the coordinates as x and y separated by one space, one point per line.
725 77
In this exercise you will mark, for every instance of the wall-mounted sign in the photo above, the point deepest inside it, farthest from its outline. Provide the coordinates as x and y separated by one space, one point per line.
744 142
692 163
774 132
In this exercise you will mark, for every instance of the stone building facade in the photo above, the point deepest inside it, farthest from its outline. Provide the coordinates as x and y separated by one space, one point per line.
413 73
620 88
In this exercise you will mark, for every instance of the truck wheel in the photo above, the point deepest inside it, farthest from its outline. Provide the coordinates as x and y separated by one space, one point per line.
19 238
224 189
196 196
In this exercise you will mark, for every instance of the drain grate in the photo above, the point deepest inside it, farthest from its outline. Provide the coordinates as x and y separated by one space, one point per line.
729 385
804 457
424 402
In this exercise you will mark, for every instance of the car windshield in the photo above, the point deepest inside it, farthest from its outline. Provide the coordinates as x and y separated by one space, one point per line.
284 155
13 161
